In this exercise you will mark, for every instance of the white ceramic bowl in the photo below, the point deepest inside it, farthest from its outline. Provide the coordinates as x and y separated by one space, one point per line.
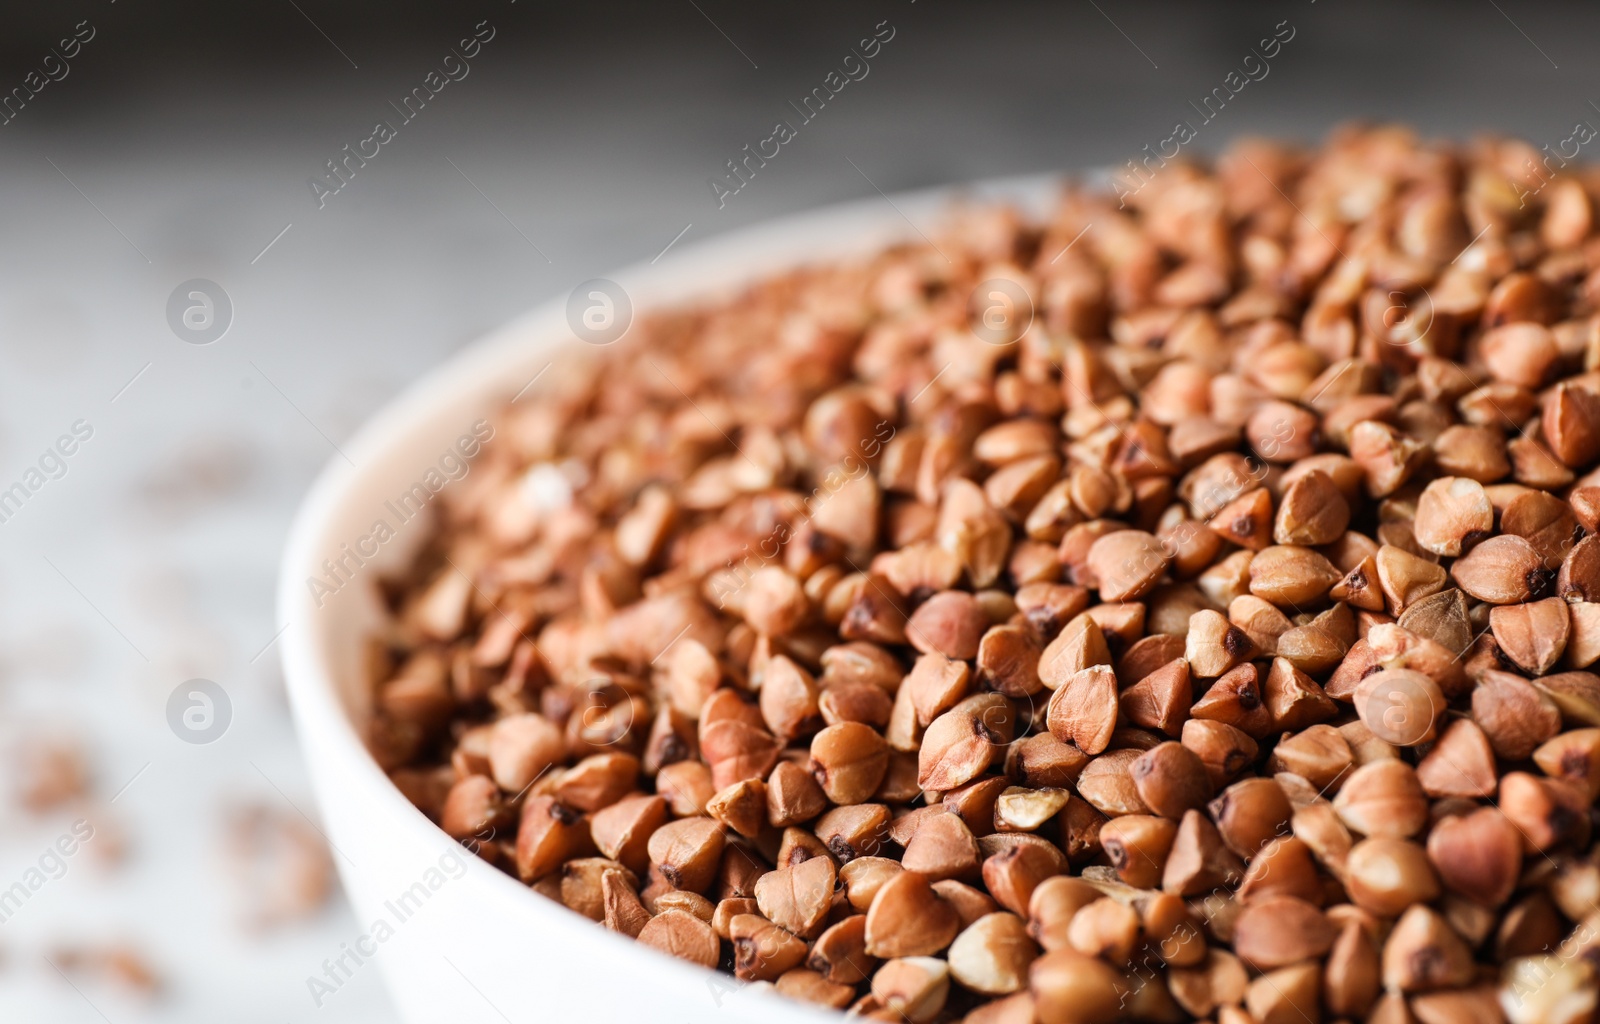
470 943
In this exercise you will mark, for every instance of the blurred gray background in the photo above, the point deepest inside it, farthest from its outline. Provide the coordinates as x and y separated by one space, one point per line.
179 145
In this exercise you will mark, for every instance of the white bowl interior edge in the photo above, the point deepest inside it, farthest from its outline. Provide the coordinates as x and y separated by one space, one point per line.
488 948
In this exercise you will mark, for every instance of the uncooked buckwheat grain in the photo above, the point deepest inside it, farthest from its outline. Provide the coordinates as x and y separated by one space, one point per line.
1219 648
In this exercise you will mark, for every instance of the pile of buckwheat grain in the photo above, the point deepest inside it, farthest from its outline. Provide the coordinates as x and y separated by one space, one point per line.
1180 612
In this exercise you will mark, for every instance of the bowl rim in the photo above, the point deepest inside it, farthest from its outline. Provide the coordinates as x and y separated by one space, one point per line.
729 260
